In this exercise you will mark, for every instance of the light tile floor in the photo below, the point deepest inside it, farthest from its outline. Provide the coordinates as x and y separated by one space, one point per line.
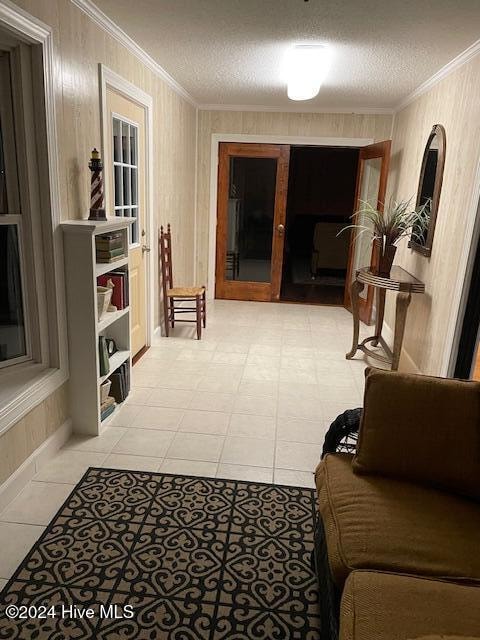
251 401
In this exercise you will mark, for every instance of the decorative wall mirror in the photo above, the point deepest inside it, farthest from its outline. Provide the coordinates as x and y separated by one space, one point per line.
429 187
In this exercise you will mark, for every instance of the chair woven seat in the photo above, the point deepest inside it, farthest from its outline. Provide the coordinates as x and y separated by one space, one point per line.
185 292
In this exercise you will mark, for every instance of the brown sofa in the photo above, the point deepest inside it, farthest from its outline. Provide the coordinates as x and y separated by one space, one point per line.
401 517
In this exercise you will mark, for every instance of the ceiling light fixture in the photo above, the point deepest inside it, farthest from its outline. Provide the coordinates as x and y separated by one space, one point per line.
307 66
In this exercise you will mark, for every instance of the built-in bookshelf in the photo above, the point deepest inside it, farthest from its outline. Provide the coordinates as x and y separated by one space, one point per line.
85 243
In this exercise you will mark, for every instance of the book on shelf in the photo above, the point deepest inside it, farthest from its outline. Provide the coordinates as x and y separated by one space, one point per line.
110 246
111 236
110 253
107 245
104 413
123 272
105 260
119 279
120 382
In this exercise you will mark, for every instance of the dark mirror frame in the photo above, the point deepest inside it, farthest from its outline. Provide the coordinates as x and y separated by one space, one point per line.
437 130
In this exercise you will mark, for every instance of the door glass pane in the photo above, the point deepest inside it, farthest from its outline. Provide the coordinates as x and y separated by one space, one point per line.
118 187
126 173
12 326
368 193
117 140
251 207
133 212
126 186
125 143
133 145
134 185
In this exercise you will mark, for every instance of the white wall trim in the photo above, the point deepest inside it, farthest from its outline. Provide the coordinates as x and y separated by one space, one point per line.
108 25
268 139
108 78
33 31
296 108
22 23
33 385
388 335
464 57
14 484
471 233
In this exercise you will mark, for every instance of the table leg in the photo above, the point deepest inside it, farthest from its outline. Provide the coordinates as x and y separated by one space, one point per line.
403 300
380 313
355 290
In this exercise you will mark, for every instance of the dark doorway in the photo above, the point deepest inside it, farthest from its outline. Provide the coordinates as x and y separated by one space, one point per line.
467 364
321 197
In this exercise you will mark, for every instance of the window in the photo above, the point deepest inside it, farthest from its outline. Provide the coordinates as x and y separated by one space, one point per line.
125 167
14 335
33 341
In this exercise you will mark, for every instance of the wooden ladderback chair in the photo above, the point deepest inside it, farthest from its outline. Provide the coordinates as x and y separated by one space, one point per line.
176 299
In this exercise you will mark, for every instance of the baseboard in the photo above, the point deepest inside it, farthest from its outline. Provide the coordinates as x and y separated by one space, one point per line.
30 467
407 363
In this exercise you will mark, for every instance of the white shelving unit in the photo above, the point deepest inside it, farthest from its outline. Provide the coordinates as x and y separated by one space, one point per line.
84 326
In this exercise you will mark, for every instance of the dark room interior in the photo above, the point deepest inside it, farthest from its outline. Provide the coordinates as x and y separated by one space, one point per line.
321 195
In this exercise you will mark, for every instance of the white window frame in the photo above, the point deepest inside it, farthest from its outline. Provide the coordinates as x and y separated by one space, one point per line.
24 385
16 221
123 165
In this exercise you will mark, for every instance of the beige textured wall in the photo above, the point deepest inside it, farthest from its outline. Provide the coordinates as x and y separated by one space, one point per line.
454 103
377 127
79 46
23 438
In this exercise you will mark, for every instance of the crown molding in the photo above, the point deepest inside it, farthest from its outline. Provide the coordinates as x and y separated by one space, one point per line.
108 25
22 23
297 109
464 57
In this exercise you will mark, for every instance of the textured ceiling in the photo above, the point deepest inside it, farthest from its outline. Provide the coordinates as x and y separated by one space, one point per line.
231 52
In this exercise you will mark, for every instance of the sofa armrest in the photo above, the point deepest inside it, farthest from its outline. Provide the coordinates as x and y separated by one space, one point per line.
422 429
447 638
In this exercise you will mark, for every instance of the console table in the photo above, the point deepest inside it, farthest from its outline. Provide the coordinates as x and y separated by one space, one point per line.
405 284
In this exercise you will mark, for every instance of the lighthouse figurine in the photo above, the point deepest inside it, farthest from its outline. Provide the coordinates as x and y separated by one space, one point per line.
97 210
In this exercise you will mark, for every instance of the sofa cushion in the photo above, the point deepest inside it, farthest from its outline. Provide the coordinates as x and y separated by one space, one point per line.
381 523
384 606
421 429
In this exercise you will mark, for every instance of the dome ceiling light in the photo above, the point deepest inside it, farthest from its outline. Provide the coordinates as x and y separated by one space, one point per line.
306 68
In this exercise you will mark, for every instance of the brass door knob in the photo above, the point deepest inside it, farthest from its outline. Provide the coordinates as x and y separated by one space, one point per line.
281 229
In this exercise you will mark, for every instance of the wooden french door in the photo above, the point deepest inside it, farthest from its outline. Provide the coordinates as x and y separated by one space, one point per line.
372 178
125 169
251 212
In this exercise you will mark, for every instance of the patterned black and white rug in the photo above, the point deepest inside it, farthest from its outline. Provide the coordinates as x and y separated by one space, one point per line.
135 555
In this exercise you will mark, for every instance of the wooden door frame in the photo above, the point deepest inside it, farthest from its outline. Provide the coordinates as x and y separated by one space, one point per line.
108 79
374 151
251 290
216 139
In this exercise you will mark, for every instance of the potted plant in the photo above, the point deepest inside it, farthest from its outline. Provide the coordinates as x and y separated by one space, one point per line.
398 220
